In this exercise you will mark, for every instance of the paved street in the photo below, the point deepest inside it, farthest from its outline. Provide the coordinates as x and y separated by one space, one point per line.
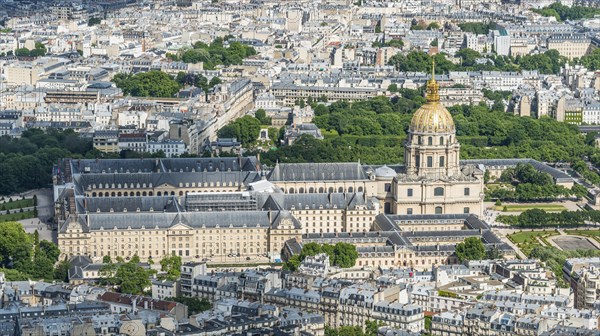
45 212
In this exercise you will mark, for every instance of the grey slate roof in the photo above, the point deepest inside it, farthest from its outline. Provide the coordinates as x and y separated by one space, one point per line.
317 172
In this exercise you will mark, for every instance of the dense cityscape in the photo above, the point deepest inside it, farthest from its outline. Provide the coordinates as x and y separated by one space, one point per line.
299 168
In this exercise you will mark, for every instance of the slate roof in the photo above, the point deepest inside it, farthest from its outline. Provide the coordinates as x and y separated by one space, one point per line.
345 171
557 174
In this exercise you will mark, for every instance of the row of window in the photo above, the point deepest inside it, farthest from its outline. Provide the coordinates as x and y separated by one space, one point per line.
439 191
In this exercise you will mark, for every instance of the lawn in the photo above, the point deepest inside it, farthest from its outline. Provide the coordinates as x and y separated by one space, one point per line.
526 240
523 207
16 216
18 204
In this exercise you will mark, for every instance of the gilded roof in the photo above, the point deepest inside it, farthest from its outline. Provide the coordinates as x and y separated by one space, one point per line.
433 116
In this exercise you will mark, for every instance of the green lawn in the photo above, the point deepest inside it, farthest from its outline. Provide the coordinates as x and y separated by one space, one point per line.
16 216
523 207
526 240
18 204
594 234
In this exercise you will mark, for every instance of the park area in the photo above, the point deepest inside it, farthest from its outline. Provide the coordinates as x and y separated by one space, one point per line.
528 240
525 207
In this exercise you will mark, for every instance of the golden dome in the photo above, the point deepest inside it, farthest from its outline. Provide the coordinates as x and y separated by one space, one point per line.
433 116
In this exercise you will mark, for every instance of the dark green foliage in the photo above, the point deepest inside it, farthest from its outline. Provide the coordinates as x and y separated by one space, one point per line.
245 129
216 54
106 259
555 259
592 61
172 266
471 248
341 254
26 163
129 276
547 63
261 115
24 255
39 50
540 218
478 28
94 21
531 185
147 84
195 304
563 13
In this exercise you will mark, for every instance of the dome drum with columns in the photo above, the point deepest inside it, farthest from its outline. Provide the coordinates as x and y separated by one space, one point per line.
431 149
432 180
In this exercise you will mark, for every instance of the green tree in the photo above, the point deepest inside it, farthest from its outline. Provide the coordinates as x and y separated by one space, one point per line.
246 129
15 247
93 21
61 272
172 266
345 255
433 26
195 305
471 248
393 87
261 115
147 84
106 260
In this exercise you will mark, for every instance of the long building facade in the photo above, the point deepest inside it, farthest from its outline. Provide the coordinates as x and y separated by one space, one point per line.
237 210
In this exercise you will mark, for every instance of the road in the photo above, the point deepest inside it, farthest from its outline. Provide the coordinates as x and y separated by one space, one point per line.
45 212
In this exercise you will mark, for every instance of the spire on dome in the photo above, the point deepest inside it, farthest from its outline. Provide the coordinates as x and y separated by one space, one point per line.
433 88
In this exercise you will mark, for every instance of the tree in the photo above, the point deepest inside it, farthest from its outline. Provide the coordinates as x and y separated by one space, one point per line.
147 84
195 304
246 129
393 87
130 277
471 248
345 255
61 272
106 260
433 26
15 247
93 21
35 200
172 266
261 115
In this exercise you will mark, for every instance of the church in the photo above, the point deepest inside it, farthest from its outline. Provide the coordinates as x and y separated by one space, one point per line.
432 180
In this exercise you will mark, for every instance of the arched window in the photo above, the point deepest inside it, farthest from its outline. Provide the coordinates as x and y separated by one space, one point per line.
350 189
144 193
93 194
159 194
138 193
438 210
360 189
321 190
311 190
301 190
430 141
441 140
292 190
439 191
341 189
331 190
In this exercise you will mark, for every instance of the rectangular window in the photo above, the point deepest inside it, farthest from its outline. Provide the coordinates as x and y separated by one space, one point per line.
418 161
388 187
409 211
466 210
429 161
442 162
409 192
467 191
